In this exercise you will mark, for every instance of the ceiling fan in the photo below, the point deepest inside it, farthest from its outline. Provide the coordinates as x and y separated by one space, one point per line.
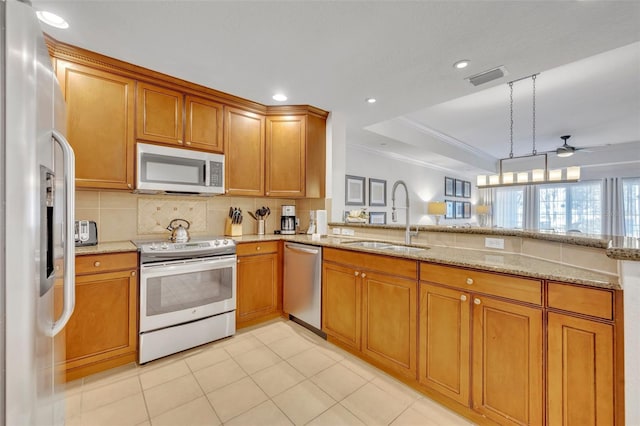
566 150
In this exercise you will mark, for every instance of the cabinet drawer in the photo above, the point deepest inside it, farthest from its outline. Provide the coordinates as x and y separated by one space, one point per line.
371 262
247 249
96 263
522 289
582 300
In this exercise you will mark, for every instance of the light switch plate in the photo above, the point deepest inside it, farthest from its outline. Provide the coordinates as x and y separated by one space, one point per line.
349 232
496 243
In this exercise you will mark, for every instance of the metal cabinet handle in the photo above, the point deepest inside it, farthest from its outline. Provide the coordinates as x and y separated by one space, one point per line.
477 301
463 297
364 275
357 273
469 281
258 248
96 264
133 273
69 286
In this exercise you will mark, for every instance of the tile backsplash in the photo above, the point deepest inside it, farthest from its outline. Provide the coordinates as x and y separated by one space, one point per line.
124 216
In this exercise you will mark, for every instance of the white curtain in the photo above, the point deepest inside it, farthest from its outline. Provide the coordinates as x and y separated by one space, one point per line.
485 197
531 207
612 207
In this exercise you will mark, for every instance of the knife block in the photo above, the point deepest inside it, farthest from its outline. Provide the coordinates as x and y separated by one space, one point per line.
232 229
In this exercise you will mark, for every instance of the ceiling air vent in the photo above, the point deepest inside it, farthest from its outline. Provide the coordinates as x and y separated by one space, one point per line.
487 76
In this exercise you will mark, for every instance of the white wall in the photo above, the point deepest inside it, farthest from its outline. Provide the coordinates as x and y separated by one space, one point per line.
425 184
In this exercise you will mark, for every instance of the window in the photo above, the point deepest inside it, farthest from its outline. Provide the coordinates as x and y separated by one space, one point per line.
571 207
509 207
631 204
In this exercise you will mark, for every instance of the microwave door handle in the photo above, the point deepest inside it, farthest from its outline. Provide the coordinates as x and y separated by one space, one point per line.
205 170
69 246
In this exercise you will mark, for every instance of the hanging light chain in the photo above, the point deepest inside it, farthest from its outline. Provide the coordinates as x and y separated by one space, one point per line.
511 117
533 78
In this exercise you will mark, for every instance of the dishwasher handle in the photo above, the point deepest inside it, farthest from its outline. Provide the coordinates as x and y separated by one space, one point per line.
301 249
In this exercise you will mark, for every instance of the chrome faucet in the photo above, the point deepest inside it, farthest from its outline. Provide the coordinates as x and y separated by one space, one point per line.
394 216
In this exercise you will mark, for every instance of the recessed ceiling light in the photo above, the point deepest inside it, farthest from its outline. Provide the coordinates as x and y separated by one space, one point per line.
52 19
280 97
461 64
371 100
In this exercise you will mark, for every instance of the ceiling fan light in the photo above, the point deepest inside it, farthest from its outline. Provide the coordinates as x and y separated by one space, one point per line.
564 152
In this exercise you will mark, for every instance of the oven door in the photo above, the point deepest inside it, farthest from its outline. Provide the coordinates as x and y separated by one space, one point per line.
181 291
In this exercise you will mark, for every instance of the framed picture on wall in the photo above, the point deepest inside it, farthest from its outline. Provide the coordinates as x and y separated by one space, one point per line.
467 210
450 213
448 187
377 218
354 190
377 192
459 188
466 189
459 209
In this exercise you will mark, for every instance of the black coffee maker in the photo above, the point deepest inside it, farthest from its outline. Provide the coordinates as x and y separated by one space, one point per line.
288 220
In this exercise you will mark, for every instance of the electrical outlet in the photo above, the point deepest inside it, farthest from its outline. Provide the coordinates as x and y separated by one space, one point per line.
336 231
349 232
496 243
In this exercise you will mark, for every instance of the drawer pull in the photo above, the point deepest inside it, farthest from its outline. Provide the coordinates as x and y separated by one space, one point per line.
364 275
258 248
463 297
357 273
133 273
96 263
477 301
469 281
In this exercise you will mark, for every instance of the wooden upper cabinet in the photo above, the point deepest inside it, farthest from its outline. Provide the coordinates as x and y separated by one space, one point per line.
159 114
244 152
296 150
100 125
286 156
203 126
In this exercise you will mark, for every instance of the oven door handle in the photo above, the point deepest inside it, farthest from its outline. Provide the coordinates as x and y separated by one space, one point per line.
180 267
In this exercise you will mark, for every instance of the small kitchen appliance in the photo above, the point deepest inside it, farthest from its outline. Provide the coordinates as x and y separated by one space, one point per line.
86 233
187 294
179 233
288 220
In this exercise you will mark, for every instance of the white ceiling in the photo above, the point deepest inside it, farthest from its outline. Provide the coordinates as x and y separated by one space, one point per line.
335 54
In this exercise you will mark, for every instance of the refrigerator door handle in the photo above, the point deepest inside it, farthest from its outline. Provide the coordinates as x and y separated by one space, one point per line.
69 287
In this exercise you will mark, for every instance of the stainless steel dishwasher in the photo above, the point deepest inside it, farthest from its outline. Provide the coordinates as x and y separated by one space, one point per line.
302 283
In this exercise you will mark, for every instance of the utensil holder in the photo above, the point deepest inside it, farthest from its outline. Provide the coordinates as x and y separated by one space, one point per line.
260 226
232 229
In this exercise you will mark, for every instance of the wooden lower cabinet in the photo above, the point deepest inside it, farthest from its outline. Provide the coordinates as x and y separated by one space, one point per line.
389 321
507 362
102 332
580 371
341 303
372 312
444 343
259 288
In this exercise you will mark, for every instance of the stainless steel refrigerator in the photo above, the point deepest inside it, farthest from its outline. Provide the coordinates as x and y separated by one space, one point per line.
36 223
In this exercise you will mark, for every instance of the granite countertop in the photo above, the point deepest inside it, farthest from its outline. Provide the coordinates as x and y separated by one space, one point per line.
619 248
110 247
485 260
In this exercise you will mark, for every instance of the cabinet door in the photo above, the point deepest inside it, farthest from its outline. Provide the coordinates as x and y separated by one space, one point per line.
203 124
444 346
286 152
100 125
507 362
257 283
244 152
341 303
579 371
103 324
389 317
159 114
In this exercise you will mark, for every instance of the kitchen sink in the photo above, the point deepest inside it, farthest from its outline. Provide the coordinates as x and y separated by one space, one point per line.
368 244
378 245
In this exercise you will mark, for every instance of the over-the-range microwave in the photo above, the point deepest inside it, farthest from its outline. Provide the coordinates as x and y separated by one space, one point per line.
162 169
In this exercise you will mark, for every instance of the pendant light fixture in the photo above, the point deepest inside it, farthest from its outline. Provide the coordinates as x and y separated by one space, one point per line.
527 177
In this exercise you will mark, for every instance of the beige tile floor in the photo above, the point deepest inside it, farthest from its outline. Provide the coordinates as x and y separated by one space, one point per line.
275 374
